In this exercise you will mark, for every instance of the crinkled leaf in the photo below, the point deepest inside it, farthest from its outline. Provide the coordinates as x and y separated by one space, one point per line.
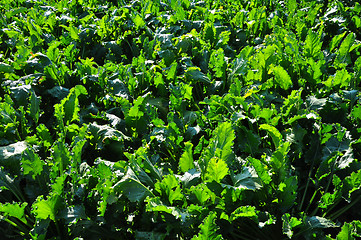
245 212
261 169
273 132
31 163
282 78
155 205
15 210
186 160
217 169
208 229
44 134
350 231
289 223
169 187
46 209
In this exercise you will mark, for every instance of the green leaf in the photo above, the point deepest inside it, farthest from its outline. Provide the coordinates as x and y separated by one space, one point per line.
342 79
291 5
287 193
247 179
74 33
34 106
44 134
46 209
261 169
319 222
336 41
279 157
31 163
250 141
289 223
273 132
169 187
221 143
217 169
5 68
132 188
239 68
155 205
350 231
72 214
138 21
186 160
217 63
15 210
312 47
10 156
282 78
208 229
356 112
202 193
343 53
194 74
67 111
245 212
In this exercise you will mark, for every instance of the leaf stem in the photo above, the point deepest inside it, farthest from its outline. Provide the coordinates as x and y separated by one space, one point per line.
308 181
344 209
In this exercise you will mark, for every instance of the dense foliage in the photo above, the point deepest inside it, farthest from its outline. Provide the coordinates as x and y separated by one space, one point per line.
180 119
